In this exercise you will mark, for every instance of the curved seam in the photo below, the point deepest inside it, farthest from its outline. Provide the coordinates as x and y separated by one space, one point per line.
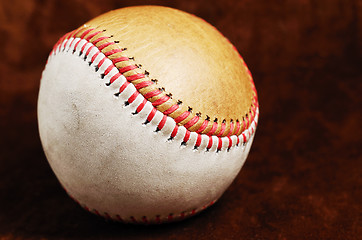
227 144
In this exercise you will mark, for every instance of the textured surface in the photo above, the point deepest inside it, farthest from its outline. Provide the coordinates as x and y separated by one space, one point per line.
189 59
109 160
302 178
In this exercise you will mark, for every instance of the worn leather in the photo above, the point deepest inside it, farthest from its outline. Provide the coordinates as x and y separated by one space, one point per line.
189 58
302 179
112 163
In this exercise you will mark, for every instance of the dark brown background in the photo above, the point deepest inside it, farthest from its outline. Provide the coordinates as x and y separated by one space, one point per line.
302 179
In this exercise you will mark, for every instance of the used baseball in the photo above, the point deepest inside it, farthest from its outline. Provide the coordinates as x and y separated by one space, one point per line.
146 114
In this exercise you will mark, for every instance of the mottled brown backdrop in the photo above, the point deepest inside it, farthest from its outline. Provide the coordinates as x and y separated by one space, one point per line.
302 179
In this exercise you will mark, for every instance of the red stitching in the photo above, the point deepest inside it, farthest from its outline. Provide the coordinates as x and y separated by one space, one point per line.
109 68
192 122
152 114
99 39
147 220
101 62
209 145
162 123
144 219
76 44
152 94
107 216
133 97
143 84
174 131
124 85
231 129
187 136
161 100
133 219
127 68
219 146
113 51
213 129
104 45
89 49
115 77
94 56
244 138
182 117
230 142
120 59
198 141
92 35
86 32
203 126
83 47
140 107
135 77
119 218
222 130
171 109
248 119
237 127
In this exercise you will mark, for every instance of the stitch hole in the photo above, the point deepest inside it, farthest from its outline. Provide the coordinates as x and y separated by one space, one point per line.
103 75
126 103
124 49
198 114
179 102
170 138
117 94
96 68
138 65
215 120
169 95
154 81
80 53
85 57
146 122
131 58
147 73
90 63
189 109
162 89
183 144
116 41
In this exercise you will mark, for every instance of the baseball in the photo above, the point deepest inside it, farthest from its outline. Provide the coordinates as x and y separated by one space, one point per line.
146 114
